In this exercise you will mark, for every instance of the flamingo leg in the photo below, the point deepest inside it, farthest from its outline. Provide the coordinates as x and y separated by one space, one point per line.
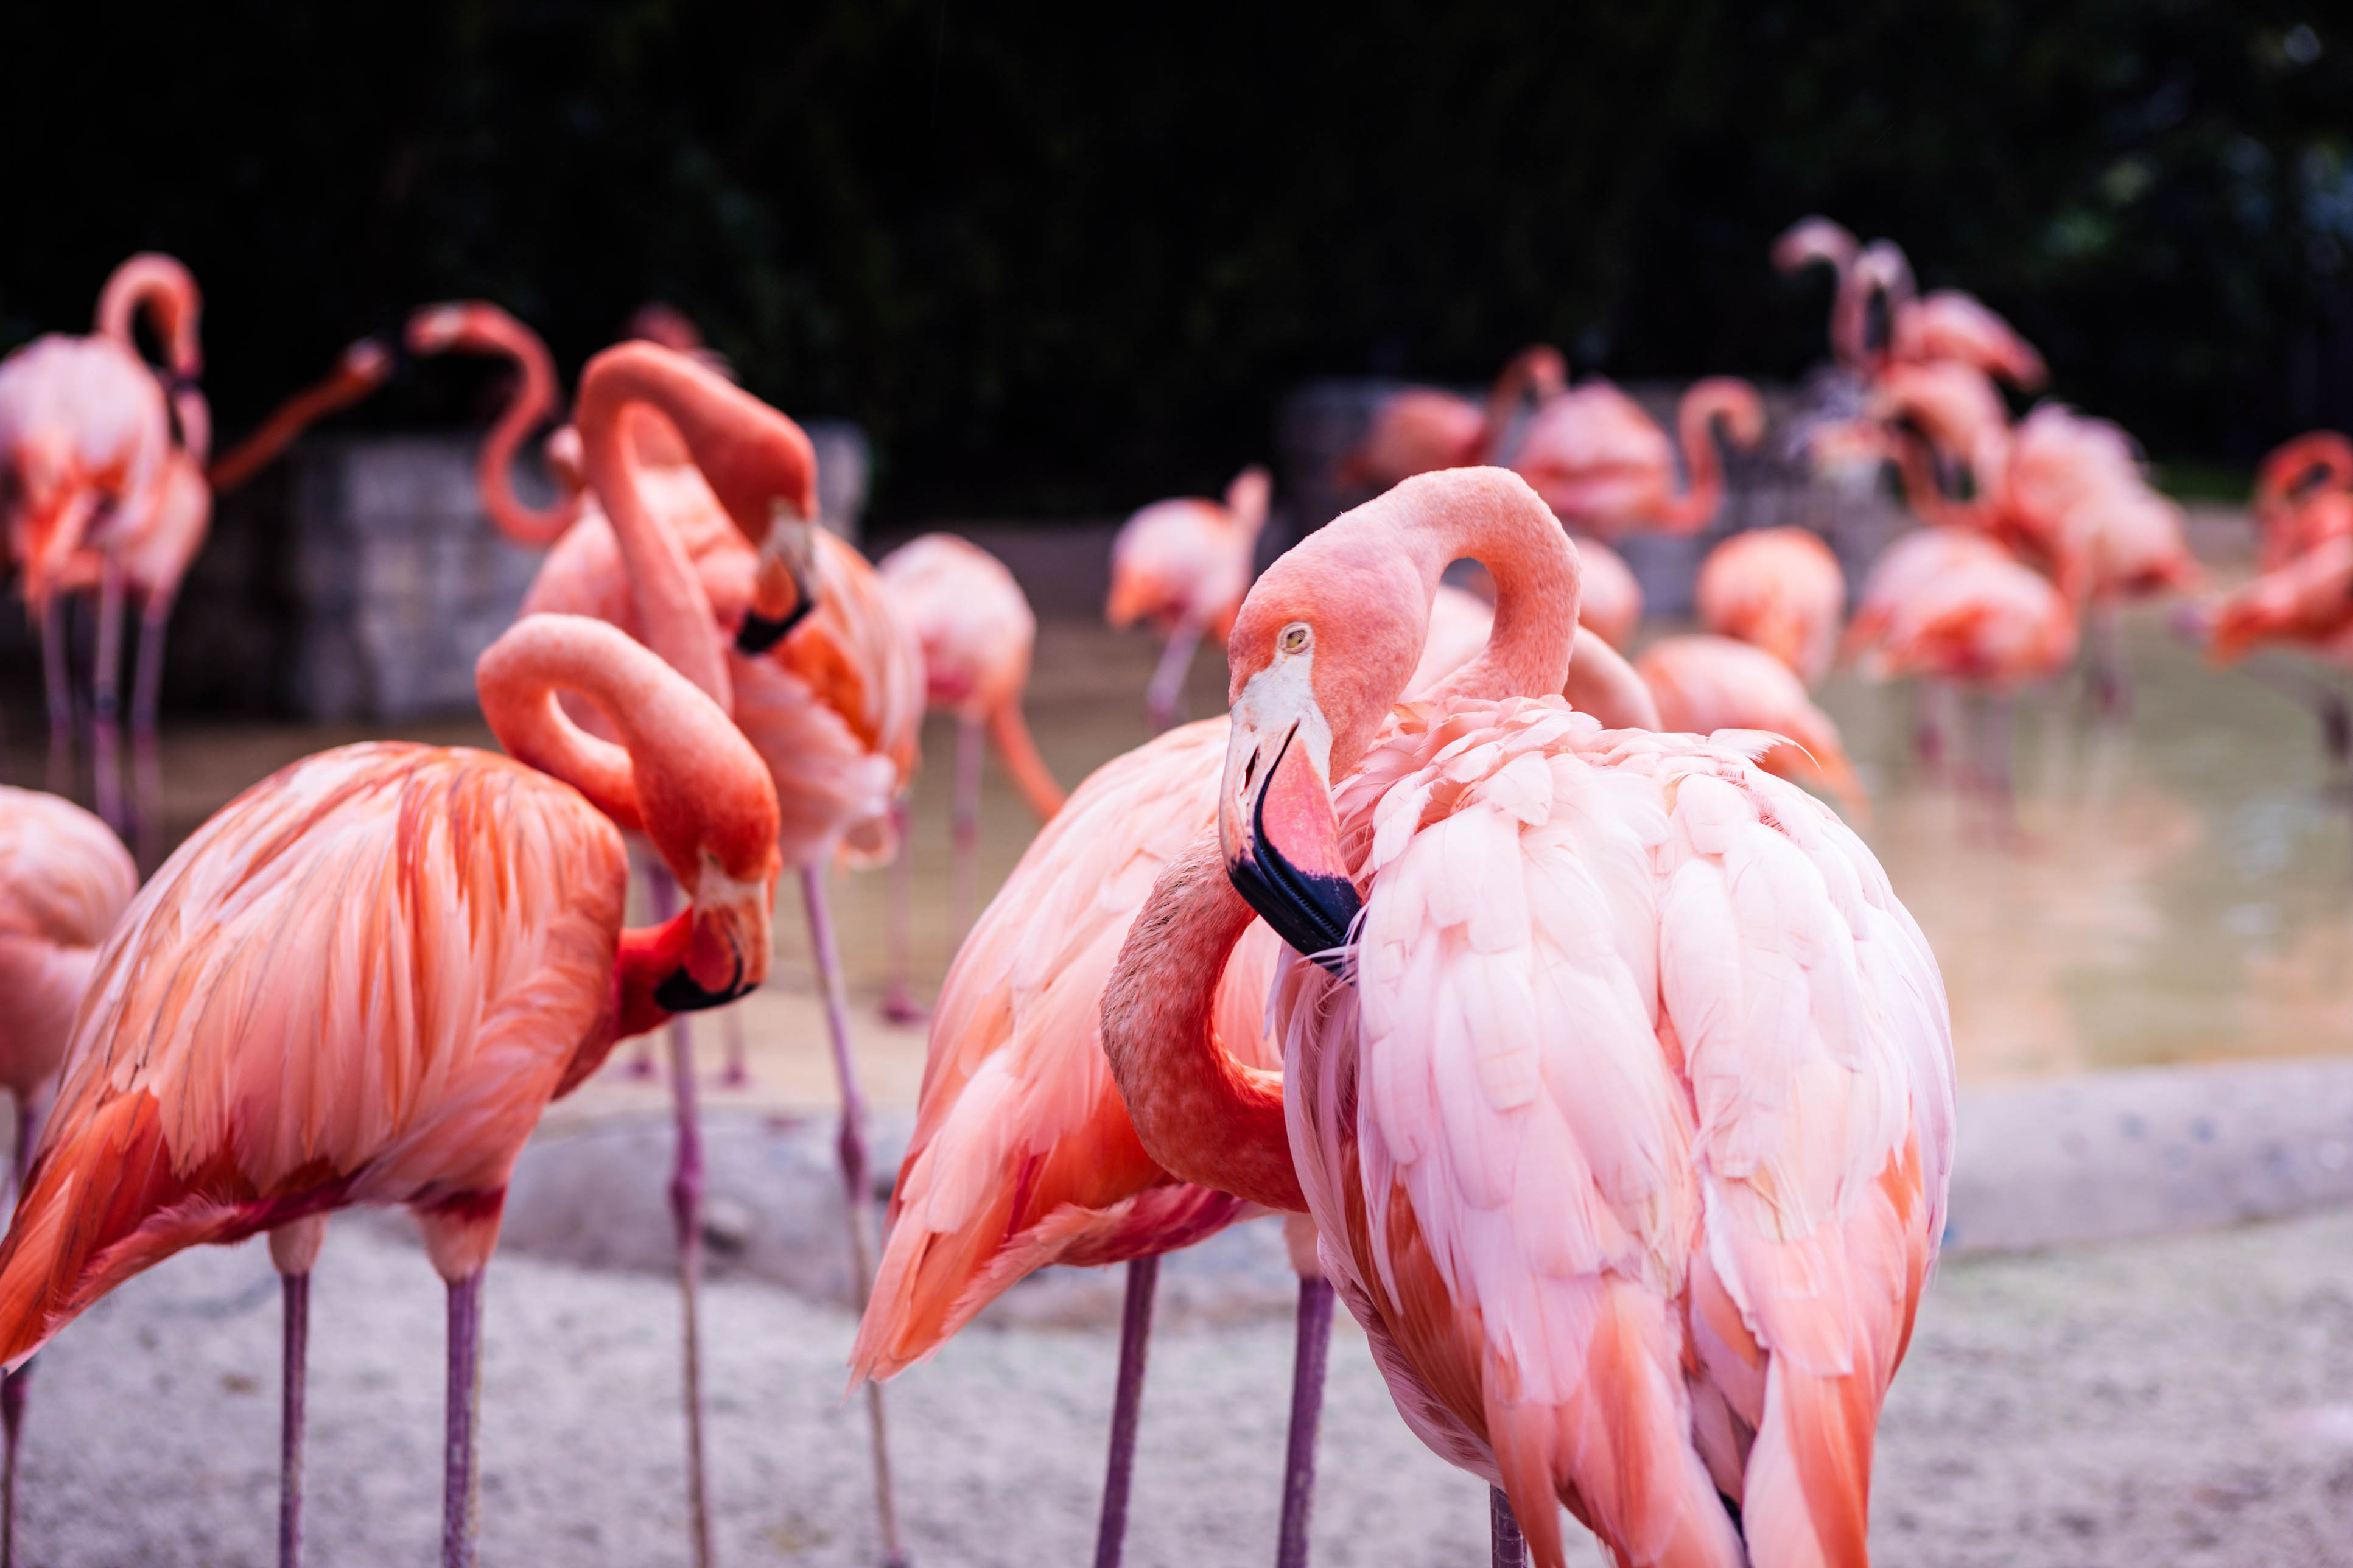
1309 1361
858 1183
2109 680
1127 1404
146 696
971 737
56 681
12 1386
1162 697
462 1473
105 682
295 1289
1510 1547
737 1074
898 995
641 1055
686 1214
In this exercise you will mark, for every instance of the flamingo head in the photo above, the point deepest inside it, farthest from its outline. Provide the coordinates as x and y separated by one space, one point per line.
784 584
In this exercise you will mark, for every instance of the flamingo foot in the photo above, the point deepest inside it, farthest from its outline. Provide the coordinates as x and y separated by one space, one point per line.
1127 1403
462 1473
1309 1361
1510 1547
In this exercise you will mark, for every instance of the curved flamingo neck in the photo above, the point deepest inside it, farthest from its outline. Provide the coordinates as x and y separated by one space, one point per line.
534 401
517 682
1204 1116
1538 371
1705 403
1490 516
166 290
363 367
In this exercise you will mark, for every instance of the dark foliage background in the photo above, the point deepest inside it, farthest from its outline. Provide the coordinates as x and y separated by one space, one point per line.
1069 258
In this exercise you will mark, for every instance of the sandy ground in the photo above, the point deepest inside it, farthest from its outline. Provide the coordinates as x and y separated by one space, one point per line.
2186 1402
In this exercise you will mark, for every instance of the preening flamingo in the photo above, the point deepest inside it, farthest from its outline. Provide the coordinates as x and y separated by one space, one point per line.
2303 496
64 881
1562 1116
1704 684
1184 566
361 981
1420 428
1023 1154
1780 589
976 633
1605 468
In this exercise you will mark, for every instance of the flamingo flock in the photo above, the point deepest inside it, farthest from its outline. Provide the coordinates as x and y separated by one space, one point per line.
1533 968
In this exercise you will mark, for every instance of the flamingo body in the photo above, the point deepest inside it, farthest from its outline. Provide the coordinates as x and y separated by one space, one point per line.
1605 467
1992 622
85 435
1704 684
64 881
1181 563
1612 604
1780 589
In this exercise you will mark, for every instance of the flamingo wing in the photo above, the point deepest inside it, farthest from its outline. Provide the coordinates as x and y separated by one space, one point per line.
1023 1153
359 982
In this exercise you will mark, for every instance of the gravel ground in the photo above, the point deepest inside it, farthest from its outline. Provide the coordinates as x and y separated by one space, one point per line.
2180 1402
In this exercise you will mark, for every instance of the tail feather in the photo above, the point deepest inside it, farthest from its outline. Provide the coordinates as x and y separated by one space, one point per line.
1009 729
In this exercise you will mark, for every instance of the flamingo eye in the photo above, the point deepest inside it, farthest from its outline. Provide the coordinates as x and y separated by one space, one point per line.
1295 638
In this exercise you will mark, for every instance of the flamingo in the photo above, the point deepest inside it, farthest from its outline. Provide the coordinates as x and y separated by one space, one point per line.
1613 597
1704 684
1946 325
1779 588
1605 467
64 881
1184 565
1024 1156
1420 428
362 368
2306 604
976 633
2303 496
1582 1134
362 980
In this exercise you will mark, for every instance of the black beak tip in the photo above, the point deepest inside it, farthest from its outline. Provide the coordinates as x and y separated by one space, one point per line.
758 634
1314 913
682 993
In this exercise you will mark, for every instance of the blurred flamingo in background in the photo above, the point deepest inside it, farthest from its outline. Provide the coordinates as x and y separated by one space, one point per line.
1704 684
1612 606
1779 588
1184 566
2303 496
65 880
1488 1099
977 634
1878 315
361 981
2305 606
1605 468
1420 428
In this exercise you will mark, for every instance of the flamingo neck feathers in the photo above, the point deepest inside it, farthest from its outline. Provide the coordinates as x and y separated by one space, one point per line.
164 289
518 680
534 527
673 608
1695 417
1490 516
1204 1116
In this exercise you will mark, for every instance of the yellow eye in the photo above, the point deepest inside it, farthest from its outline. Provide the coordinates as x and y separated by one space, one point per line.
1294 638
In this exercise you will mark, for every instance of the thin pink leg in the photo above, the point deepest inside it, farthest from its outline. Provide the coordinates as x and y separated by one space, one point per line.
971 738
106 713
294 1371
1510 1549
641 1055
461 1471
1166 693
737 1074
146 759
1126 1407
56 680
1310 1359
686 1214
857 1181
898 993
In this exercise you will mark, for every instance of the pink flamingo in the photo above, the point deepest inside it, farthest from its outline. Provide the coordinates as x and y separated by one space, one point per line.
976 633
1023 1154
1707 684
1779 588
1184 566
1946 325
2305 605
64 881
1605 467
1421 428
1613 599
2303 496
296 1017
1570 1175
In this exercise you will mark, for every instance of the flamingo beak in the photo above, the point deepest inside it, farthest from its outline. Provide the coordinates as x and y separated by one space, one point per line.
727 947
784 584
1275 821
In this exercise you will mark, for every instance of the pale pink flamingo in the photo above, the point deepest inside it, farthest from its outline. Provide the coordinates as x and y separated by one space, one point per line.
1613 598
361 981
1579 1182
1184 566
1420 428
1779 588
976 633
1704 684
65 879
1023 1154
1946 326
1605 468
2303 496
2305 605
